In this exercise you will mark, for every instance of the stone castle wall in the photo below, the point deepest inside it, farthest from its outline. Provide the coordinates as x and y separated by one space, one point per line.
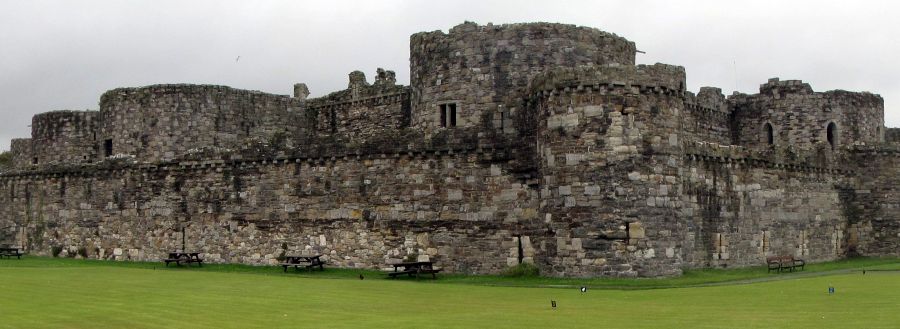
707 117
21 152
565 155
597 126
64 137
741 206
892 135
800 117
458 209
874 211
359 113
159 122
484 69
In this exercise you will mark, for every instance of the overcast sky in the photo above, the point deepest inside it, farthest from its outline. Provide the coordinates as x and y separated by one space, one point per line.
58 55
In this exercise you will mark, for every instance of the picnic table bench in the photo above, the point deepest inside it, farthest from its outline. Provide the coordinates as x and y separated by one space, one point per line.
306 261
9 252
782 263
184 257
414 269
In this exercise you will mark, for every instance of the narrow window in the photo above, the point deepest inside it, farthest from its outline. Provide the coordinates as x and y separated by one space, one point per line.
443 109
108 147
502 120
333 117
452 114
770 134
34 160
831 134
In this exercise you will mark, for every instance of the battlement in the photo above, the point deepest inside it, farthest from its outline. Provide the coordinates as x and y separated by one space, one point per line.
136 93
782 158
657 78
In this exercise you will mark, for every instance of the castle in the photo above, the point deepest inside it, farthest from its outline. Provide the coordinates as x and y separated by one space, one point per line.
537 143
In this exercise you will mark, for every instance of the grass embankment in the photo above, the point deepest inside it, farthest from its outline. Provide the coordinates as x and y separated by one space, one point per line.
42 292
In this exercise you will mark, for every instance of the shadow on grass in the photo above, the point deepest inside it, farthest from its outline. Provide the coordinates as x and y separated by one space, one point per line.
690 278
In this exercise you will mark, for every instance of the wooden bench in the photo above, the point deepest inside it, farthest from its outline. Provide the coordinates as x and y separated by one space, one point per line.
414 269
306 261
9 252
184 257
782 263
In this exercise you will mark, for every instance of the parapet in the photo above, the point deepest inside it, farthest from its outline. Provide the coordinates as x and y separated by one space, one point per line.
141 93
658 78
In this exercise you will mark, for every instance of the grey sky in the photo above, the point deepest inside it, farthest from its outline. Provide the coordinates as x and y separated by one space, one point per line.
57 55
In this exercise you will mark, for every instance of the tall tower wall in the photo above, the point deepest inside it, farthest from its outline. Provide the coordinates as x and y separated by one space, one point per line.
801 118
159 122
482 69
64 137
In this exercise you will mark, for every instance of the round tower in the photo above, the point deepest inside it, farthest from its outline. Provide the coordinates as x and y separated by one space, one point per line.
63 137
609 153
162 121
790 113
463 77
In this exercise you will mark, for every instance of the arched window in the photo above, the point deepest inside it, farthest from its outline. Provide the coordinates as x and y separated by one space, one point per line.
770 133
831 134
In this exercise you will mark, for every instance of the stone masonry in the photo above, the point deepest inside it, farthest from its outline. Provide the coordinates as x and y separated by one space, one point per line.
521 143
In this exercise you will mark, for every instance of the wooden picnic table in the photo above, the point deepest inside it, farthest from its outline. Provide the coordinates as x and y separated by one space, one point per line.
178 257
414 269
306 261
9 252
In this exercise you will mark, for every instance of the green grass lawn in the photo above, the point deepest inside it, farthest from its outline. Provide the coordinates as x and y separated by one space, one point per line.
64 293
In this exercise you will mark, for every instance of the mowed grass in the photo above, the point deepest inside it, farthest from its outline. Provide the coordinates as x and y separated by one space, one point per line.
42 293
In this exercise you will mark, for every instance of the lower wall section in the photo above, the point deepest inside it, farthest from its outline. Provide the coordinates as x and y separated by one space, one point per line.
875 205
461 211
465 212
738 214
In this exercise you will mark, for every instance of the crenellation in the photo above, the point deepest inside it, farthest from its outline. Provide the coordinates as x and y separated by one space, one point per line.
536 142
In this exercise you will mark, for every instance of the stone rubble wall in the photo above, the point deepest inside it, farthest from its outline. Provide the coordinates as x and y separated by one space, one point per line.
459 210
892 135
21 149
604 138
800 116
875 202
484 69
707 117
360 112
63 137
741 205
159 122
